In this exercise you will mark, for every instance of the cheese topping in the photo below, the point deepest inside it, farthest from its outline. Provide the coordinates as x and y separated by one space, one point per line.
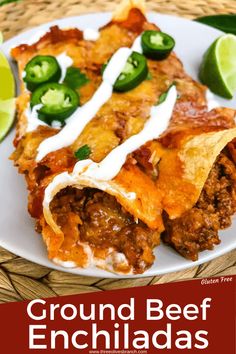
89 34
157 123
100 173
87 112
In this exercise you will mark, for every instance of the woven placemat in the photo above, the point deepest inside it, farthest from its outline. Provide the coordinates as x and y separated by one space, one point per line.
16 17
21 279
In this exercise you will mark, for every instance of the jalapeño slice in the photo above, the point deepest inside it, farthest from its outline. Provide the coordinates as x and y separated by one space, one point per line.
157 45
134 72
40 70
58 102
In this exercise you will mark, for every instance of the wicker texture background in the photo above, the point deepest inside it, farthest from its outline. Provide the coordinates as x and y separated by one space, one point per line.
25 14
21 279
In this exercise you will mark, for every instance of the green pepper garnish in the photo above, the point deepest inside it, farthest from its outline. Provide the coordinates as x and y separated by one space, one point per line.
134 72
40 70
157 45
58 102
163 96
83 152
75 78
149 76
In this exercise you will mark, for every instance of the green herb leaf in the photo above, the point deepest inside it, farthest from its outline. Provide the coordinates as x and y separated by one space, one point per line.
75 78
225 23
149 76
83 152
163 96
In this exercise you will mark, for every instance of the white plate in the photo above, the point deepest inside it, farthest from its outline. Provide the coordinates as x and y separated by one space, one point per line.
17 228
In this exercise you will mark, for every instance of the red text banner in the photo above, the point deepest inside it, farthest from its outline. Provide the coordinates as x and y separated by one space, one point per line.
196 316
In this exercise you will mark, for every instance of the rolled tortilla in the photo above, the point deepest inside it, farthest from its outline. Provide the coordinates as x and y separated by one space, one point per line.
122 11
183 171
128 189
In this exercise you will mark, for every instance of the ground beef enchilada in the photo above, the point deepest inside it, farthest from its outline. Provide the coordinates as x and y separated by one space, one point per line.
159 164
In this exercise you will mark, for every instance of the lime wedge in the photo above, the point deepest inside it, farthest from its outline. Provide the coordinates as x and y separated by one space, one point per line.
7 92
218 69
7 83
7 115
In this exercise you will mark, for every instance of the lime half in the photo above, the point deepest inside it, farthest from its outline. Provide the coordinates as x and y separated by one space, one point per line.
218 69
7 115
7 82
7 92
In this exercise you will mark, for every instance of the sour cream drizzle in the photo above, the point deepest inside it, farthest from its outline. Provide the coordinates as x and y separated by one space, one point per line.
65 62
32 118
90 34
82 116
109 167
157 123
211 101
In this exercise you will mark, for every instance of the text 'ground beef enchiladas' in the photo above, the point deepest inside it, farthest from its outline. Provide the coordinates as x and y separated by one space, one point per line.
118 147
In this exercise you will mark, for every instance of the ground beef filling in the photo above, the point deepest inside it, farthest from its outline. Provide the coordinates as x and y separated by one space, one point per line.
197 230
104 223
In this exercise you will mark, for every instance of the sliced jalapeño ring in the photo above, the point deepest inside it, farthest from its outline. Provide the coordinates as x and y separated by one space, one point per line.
134 72
57 102
157 45
40 70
